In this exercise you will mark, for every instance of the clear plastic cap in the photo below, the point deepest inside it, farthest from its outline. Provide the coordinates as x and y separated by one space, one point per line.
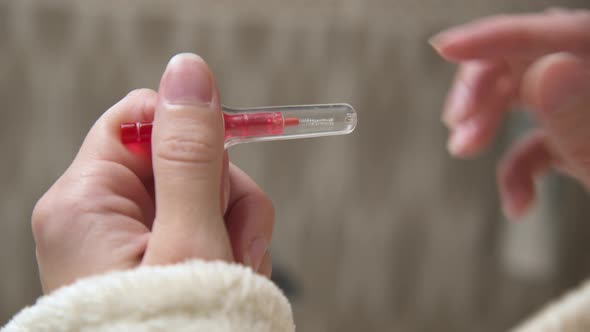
287 122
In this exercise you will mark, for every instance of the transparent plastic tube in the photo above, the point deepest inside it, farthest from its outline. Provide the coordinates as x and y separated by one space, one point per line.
268 124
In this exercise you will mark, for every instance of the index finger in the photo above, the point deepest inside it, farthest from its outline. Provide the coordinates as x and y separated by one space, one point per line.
517 36
103 142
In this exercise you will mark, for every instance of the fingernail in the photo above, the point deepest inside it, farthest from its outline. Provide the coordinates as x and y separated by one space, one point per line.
255 253
568 91
187 81
436 42
440 41
457 108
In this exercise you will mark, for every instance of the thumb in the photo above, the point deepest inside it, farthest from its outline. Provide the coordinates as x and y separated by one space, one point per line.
557 87
187 149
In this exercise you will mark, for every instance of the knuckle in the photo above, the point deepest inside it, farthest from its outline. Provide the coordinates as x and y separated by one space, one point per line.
521 35
186 150
41 215
581 16
49 219
57 212
141 93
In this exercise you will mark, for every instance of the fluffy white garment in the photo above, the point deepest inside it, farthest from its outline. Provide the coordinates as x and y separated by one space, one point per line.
192 296
570 314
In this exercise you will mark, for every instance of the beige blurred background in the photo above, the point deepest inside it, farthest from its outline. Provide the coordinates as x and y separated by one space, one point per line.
378 230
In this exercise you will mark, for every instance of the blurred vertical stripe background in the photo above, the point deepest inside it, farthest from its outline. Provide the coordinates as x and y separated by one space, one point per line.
379 230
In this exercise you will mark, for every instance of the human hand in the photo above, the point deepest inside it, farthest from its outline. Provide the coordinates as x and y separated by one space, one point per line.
118 207
539 60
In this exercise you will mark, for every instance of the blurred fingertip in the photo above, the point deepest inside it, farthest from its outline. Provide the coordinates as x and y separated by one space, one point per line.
444 119
443 49
515 214
460 143
516 202
447 44
454 144
459 104
509 208
436 43
511 214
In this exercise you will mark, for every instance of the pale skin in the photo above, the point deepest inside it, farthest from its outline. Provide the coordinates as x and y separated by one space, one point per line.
541 61
119 208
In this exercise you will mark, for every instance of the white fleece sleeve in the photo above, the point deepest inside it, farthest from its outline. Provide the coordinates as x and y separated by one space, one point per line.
570 314
193 296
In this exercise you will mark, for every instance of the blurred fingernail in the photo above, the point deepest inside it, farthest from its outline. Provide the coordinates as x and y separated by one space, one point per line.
571 88
440 41
435 42
255 253
187 81
457 107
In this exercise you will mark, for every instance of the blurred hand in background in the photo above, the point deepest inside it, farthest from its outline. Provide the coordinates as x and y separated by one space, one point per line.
539 60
